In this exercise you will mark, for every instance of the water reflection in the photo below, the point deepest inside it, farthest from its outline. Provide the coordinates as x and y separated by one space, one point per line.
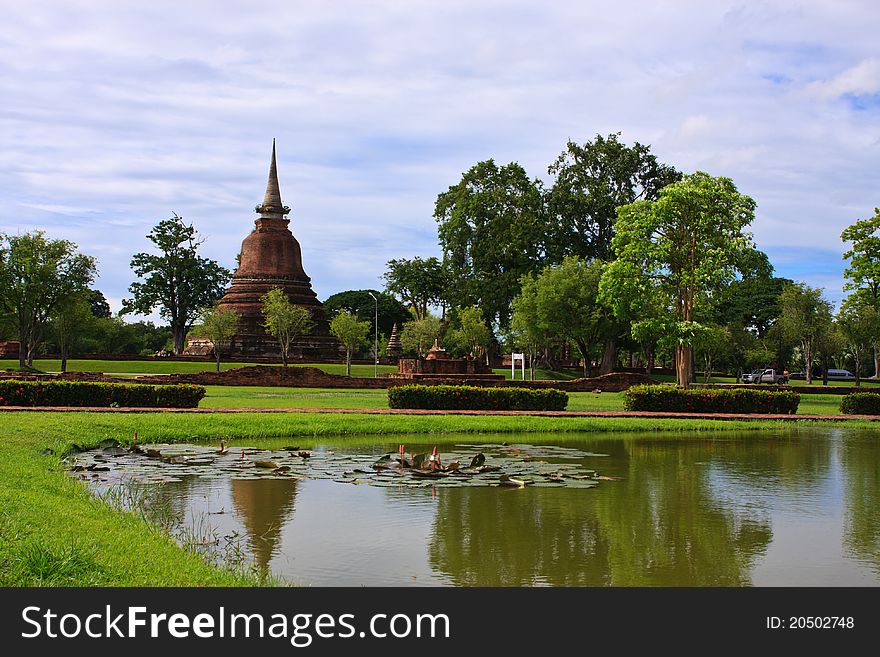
265 507
861 463
660 526
754 509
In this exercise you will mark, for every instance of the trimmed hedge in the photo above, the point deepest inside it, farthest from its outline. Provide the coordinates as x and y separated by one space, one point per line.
860 403
476 398
705 400
87 393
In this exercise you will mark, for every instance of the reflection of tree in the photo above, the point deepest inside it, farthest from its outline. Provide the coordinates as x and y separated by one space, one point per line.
668 527
861 463
264 506
498 537
660 526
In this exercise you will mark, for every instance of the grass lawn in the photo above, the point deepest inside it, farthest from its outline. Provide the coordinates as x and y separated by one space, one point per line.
53 532
275 397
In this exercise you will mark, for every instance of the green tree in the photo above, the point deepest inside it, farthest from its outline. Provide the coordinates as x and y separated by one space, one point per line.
751 301
863 273
418 335
71 319
806 317
177 281
566 305
473 332
36 274
709 343
284 320
361 304
219 325
683 246
525 332
351 333
419 282
492 229
98 304
591 181
859 324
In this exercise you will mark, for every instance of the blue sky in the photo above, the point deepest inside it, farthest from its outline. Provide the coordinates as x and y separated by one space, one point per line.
116 114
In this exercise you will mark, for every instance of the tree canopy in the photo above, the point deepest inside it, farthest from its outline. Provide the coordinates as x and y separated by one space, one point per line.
492 229
683 246
564 304
36 275
420 283
591 181
362 305
178 281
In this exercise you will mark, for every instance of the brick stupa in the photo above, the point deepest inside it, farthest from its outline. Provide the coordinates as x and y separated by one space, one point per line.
271 257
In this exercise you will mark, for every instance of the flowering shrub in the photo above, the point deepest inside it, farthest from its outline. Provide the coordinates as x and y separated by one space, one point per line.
706 400
860 403
476 398
87 393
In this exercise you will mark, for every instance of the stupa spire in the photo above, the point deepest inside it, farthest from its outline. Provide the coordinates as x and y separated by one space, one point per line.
272 207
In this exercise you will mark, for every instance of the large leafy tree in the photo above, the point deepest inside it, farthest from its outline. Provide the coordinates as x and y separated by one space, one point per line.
863 273
591 181
564 301
420 283
352 334
493 230
36 275
283 320
364 307
177 281
806 317
681 247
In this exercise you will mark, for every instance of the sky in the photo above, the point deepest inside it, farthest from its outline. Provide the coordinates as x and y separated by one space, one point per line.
116 114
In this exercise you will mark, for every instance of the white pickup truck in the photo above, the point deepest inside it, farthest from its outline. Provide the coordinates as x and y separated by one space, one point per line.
765 376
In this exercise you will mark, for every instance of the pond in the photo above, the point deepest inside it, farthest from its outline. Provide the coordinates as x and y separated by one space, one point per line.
793 508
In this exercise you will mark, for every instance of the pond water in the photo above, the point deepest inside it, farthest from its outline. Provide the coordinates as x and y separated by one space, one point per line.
785 509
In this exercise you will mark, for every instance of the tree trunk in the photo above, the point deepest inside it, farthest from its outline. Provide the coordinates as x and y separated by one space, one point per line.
876 362
348 362
217 356
824 370
683 371
22 349
808 357
609 358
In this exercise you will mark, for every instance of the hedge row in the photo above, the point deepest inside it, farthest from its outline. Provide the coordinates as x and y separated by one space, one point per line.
705 400
476 398
860 403
86 393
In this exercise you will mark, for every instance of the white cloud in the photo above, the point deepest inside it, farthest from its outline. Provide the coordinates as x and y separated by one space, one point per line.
861 79
116 114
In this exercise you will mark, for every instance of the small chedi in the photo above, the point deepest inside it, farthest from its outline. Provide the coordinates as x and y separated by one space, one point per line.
271 257
393 349
438 366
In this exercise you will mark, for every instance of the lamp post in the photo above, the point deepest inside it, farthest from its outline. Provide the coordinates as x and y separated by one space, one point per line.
376 332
